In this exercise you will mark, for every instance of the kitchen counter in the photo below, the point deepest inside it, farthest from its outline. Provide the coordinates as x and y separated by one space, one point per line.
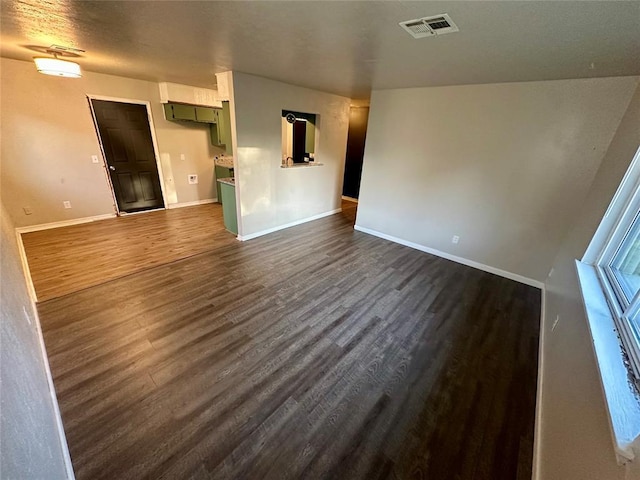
225 161
228 181
305 164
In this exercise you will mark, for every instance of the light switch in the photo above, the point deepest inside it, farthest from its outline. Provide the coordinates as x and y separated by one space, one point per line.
95 159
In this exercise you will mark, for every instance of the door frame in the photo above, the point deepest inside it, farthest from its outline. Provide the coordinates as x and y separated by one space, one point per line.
154 141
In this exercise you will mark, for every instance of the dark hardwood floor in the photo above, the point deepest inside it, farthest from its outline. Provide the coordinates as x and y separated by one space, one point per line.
313 352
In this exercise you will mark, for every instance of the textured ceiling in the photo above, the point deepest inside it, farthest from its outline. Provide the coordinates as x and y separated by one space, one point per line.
346 48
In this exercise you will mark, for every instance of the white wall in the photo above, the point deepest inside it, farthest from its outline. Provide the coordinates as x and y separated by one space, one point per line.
48 138
575 440
504 166
30 434
270 196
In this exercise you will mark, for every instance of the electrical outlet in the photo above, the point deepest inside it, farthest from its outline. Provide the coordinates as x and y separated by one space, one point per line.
193 179
455 239
95 159
182 157
67 204
27 210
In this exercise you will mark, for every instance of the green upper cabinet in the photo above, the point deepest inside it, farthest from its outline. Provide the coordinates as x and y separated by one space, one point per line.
225 127
190 113
219 120
214 131
206 115
177 111
221 131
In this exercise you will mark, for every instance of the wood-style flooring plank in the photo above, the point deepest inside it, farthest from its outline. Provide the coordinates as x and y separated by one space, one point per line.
68 259
313 352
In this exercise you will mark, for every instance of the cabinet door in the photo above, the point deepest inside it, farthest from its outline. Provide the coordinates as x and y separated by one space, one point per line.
168 111
183 112
215 134
221 172
206 115
229 213
224 127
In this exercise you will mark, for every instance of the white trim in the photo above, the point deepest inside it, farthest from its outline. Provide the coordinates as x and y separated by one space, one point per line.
64 223
191 204
25 268
235 150
140 212
597 249
54 399
117 99
45 359
537 441
464 261
621 399
287 225
154 141
156 151
349 199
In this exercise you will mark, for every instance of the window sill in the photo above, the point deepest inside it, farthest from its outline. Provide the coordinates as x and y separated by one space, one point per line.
305 164
621 400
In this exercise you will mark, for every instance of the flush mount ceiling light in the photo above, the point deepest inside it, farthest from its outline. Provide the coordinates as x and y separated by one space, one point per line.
56 66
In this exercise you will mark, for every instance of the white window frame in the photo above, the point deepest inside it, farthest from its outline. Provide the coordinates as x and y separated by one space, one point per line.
621 308
615 342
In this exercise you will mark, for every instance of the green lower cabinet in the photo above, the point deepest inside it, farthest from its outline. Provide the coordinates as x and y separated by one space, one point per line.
222 172
229 207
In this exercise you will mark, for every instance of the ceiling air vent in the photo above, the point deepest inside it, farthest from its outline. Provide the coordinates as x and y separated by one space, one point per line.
429 26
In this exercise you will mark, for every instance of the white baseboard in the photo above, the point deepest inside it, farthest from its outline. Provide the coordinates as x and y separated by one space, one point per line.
43 351
287 225
454 258
349 199
54 399
64 223
536 473
25 268
191 204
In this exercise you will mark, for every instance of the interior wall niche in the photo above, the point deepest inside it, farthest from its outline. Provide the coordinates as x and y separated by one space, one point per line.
298 136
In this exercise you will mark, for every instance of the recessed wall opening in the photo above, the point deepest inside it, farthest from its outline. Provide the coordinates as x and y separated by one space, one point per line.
298 137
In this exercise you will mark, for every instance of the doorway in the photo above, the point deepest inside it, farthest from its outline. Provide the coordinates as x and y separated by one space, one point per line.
358 120
299 140
127 144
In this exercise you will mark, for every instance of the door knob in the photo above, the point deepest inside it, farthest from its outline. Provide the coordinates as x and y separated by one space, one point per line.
112 168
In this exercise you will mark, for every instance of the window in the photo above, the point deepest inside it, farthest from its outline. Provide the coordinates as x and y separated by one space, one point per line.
618 263
609 276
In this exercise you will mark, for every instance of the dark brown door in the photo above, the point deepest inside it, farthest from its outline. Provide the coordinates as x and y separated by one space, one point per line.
358 119
128 147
